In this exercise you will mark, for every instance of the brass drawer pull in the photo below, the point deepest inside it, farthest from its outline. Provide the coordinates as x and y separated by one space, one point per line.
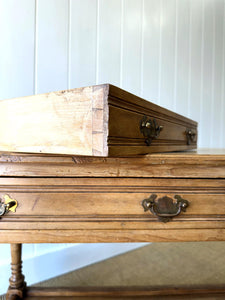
165 208
150 129
8 205
191 136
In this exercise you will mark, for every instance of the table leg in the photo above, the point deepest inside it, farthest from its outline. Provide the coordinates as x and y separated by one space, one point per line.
16 281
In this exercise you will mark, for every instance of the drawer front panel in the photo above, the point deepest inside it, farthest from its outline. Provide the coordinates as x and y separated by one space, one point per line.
132 132
126 124
109 203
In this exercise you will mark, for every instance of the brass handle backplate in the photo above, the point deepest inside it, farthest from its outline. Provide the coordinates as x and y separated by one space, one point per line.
9 204
165 208
150 129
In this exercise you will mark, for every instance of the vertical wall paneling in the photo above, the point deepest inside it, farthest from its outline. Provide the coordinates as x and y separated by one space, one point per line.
5 257
142 48
213 100
173 104
121 42
83 42
201 79
196 28
69 45
189 59
35 50
97 41
206 113
17 48
51 45
109 41
222 125
182 57
151 45
131 64
168 42
217 74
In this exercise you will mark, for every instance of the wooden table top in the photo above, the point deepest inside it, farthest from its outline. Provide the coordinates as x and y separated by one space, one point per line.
203 163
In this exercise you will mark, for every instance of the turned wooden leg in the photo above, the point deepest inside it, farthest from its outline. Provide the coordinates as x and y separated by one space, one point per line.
16 281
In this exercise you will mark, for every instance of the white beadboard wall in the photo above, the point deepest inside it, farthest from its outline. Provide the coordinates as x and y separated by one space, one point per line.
171 52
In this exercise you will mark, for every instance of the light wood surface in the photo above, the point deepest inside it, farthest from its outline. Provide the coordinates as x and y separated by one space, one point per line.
57 122
203 163
100 120
112 204
72 199
112 235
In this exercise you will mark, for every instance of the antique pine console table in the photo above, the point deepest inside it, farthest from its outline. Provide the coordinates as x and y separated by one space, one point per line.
153 198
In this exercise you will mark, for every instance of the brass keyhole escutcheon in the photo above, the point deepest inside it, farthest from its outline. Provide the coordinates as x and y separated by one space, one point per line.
7 205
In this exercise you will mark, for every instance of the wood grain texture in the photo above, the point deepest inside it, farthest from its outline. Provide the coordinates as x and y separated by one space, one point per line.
109 204
100 120
110 198
192 164
57 122
173 132
111 236
110 223
75 199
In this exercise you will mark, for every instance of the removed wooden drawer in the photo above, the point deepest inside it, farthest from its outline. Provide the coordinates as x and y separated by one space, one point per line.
98 120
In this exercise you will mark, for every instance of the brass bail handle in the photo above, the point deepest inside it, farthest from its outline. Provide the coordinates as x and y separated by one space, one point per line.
191 135
165 208
150 129
9 204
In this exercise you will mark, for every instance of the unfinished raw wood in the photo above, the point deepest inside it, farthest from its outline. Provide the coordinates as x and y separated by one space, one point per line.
98 120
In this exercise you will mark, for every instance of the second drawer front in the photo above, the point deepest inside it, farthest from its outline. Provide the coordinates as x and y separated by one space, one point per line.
52 202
